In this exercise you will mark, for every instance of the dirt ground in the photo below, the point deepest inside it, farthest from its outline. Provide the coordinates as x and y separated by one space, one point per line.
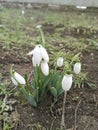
24 117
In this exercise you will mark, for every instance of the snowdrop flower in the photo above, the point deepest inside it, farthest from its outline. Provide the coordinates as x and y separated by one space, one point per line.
60 61
32 18
77 68
17 78
45 68
67 82
81 7
23 12
38 26
39 53
1 25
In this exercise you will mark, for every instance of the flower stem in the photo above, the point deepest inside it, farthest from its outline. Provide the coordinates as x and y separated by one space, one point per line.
42 36
63 112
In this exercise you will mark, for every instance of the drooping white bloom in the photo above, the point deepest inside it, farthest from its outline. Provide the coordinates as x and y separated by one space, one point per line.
37 55
67 82
77 68
60 61
38 26
81 7
32 18
44 54
45 68
23 12
17 78
1 25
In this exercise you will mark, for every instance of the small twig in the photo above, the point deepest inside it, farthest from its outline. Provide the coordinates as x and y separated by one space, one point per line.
75 121
95 100
86 126
63 112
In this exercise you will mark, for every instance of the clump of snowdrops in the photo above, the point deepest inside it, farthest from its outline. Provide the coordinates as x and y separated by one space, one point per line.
46 79
55 80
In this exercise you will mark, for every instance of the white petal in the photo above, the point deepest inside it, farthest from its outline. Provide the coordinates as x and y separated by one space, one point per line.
30 53
77 68
60 61
44 54
67 82
38 26
45 68
81 7
33 61
18 78
37 55
14 81
23 12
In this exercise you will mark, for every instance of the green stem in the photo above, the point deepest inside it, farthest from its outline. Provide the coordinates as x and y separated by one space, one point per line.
42 36
63 112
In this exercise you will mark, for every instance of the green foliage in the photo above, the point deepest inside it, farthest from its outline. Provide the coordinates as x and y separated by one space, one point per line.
80 80
36 91
7 126
5 92
55 84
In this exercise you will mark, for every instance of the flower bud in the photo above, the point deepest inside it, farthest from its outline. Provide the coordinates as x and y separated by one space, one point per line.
23 12
17 78
77 68
38 26
67 82
60 61
45 68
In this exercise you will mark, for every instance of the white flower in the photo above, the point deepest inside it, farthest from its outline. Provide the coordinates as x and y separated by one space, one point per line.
30 53
44 54
81 7
38 26
45 68
37 55
17 78
67 82
60 61
23 12
77 68
1 25
32 18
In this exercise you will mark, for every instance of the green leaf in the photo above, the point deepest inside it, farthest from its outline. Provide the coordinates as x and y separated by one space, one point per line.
53 91
32 100
76 58
43 89
29 97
